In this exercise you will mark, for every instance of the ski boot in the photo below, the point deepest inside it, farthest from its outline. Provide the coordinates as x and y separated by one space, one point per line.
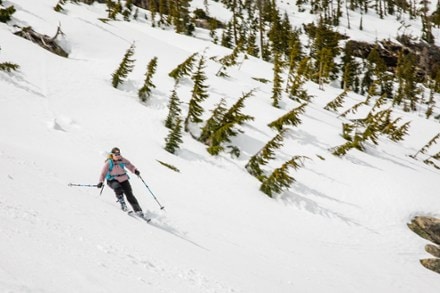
122 202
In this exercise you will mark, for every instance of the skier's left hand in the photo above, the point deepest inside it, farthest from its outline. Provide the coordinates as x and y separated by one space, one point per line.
136 172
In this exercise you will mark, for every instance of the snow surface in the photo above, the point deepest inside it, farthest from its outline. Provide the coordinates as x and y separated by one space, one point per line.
340 228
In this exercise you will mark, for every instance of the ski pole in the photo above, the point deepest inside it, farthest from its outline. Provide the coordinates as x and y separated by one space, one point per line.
161 207
102 188
82 185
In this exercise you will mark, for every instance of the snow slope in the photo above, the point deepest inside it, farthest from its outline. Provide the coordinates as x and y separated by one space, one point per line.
340 228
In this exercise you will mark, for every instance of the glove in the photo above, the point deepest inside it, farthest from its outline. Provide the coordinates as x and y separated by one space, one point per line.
99 185
136 172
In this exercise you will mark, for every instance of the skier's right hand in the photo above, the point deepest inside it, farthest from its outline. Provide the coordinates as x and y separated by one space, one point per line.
99 185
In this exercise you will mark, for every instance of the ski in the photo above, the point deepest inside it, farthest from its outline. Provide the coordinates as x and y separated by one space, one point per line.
134 215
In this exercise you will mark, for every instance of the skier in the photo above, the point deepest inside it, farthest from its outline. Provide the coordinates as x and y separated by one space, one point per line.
117 179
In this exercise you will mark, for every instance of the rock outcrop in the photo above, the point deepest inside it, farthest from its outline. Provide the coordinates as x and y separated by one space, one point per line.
428 228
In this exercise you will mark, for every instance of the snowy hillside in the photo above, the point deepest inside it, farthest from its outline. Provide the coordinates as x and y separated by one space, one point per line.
341 227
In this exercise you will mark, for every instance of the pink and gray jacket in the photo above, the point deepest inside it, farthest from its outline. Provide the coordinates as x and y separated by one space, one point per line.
118 172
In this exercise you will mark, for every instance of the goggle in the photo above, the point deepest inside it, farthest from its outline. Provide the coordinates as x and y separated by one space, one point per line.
116 154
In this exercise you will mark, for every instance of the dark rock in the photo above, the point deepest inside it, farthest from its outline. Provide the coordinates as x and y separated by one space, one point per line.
428 228
431 263
433 250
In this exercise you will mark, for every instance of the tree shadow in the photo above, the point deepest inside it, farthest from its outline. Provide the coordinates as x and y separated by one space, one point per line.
311 206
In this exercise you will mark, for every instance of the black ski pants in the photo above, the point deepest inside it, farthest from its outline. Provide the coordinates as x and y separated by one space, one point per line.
121 188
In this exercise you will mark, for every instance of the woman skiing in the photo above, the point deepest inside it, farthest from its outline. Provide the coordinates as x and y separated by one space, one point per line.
117 179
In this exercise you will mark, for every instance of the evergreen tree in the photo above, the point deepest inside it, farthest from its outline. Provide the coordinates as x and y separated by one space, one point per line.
324 50
145 92
295 57
180 16
127 10
228 61
277 81
280 178
6 13
350 72
428 145
126 66
263 156
8 66
430 162
199 94
261 29
185 68
174 138
408 91
353 109
337 102
426 22
226 40
325 66
174 110
214 122
291 118
431 101
297 78
252 47
59 6
113 8
378 78
223 123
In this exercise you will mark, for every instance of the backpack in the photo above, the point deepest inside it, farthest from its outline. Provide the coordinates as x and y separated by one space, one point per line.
110 168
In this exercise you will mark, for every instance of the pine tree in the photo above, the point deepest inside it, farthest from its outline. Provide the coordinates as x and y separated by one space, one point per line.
297 78
228 61
295 56
426 22
113 8
59 6
350 72
124 68
399 133
353 109
324 50
277 81
8 66
174 138
280 178
199 94
6 13
431 101
221 126
251 45
291 118
185 68
174 110
425 148
336 102
145 92
263 156
356 142
214 122
408 91
180 18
